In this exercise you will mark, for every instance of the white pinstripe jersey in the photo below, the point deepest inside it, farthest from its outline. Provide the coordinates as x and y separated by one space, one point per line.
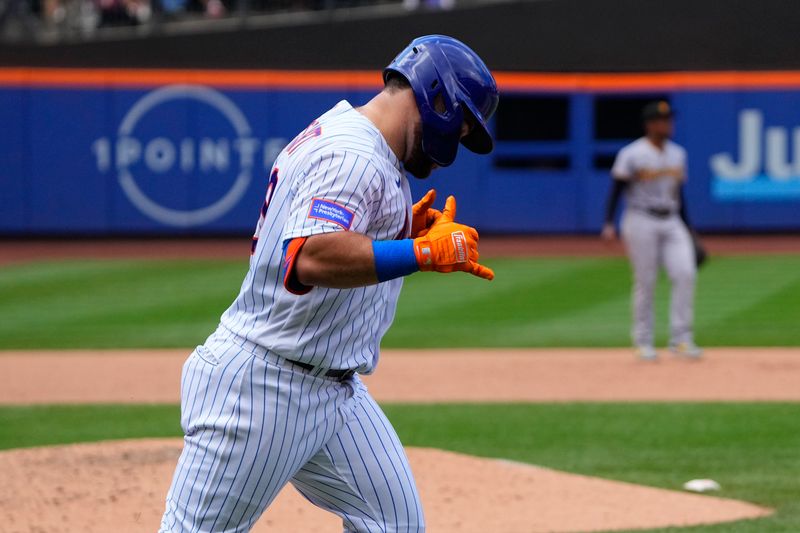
339 174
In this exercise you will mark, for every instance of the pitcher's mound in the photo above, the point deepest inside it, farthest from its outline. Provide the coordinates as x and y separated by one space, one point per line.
120 486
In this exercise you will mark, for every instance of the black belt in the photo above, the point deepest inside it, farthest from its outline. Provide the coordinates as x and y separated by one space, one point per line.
337 374
659 212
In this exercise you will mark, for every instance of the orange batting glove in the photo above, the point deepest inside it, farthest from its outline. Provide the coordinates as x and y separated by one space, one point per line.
423 215
450 247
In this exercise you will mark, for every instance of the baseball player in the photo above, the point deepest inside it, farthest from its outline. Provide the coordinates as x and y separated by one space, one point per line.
651 171
273 395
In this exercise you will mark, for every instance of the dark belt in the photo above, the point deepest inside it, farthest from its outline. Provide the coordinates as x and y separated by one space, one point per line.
659 212
337 374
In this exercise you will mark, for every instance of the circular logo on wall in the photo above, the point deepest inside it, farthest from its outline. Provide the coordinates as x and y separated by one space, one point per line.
184 154
162 154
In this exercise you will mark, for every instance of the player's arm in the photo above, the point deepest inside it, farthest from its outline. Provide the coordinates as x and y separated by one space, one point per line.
340 260
683 178
617 188
347 259
682 202
621 174
700 253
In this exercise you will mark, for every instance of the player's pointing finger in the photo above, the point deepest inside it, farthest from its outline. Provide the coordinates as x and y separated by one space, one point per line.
449 213
425 202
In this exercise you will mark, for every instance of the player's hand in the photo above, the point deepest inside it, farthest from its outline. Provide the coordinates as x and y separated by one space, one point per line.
450 247
423 215
609 233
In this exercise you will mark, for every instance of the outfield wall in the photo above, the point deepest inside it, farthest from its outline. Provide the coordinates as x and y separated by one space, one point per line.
99 151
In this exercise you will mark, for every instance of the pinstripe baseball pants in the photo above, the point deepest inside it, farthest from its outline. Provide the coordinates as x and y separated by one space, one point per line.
252 423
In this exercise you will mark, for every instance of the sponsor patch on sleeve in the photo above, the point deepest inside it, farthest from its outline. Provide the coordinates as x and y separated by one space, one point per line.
331 212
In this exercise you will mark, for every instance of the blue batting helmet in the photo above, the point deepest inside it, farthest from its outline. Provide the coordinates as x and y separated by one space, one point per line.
437 66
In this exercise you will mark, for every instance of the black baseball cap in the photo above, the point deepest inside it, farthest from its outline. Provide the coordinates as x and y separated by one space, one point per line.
657 109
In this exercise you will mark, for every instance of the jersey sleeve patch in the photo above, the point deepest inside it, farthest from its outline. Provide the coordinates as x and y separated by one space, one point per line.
331 212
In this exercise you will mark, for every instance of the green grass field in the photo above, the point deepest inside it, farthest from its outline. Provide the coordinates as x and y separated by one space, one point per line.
748 301
751 449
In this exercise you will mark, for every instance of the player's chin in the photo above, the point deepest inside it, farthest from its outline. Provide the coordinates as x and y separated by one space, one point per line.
420 174
421 167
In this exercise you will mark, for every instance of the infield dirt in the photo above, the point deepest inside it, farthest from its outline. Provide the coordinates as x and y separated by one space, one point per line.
120 486
452 375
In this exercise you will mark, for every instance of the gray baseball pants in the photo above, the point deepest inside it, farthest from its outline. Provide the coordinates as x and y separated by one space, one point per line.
652 242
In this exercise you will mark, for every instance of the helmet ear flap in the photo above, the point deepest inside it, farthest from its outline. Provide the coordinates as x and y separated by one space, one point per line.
438 104
441 132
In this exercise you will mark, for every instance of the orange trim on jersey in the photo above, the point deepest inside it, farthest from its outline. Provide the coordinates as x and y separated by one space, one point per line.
289 259
371 80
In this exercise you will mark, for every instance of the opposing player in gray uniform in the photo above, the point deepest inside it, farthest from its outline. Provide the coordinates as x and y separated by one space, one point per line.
651 172
273 396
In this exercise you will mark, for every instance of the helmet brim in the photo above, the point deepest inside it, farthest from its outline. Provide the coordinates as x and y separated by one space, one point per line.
479 140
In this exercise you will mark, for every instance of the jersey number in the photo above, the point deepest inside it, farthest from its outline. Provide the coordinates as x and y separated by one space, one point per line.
273 182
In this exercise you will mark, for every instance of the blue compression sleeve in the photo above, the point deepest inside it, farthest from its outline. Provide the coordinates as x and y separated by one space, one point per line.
394 259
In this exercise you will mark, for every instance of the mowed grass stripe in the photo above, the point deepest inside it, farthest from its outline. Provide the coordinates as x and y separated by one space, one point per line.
749 301
507 311
115 303
751 449
48 425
